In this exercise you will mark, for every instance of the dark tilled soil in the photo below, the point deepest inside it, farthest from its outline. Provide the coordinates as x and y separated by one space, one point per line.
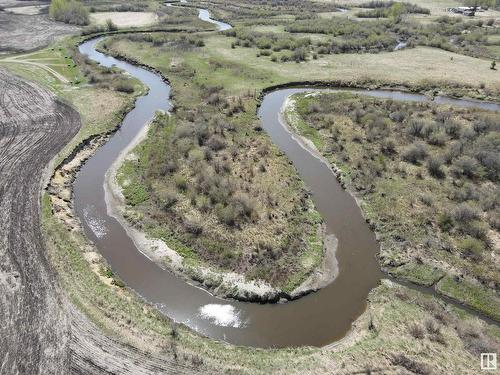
25 33
34 329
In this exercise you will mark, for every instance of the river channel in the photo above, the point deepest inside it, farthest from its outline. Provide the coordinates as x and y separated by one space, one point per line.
317 319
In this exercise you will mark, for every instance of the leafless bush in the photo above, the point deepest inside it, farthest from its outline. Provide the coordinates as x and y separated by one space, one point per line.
411 365
434 166
466 166
417 331
415 153
216 142
474 340
464 213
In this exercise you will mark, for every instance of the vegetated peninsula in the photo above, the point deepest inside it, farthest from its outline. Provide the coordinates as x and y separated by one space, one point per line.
210 185
427 179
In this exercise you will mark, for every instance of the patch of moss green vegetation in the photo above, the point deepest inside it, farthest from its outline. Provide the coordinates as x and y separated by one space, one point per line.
427 177
422 274
472 294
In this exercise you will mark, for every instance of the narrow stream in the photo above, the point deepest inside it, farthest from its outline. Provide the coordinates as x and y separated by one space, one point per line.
317 319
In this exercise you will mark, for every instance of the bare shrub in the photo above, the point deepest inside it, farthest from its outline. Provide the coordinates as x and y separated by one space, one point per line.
434 166
464 213
490 160
214 99
110 25
168 200
432 327
445 222
427 199
397 116
180 182
124 86
453 129
476 229
415 153
388 146
417 331
244 204
472 248
216 142
454 151
227 215
411 365
474 340
437 139
193 226
466 166
416 127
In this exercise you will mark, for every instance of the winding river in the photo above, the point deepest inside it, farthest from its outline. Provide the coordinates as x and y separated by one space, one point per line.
317 319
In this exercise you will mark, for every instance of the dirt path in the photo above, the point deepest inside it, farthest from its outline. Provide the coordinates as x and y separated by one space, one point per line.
60 77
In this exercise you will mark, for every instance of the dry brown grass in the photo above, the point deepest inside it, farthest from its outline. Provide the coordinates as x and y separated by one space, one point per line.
125 19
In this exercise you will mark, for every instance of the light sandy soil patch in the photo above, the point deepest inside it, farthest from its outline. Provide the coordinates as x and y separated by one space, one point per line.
28 10
125 19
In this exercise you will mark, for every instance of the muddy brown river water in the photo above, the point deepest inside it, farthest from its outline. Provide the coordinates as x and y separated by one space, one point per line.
317 319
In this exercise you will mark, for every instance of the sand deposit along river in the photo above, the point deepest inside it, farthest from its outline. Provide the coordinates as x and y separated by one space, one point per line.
316 319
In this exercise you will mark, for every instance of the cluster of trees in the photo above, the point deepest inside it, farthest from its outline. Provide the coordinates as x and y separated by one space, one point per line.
449 33
135 7
204 148
350 36
385 9
184 42
270 41
483 3
103 77
261 10
460 149
69 11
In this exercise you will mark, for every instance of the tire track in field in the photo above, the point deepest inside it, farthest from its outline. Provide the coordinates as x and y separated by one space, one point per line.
34 327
